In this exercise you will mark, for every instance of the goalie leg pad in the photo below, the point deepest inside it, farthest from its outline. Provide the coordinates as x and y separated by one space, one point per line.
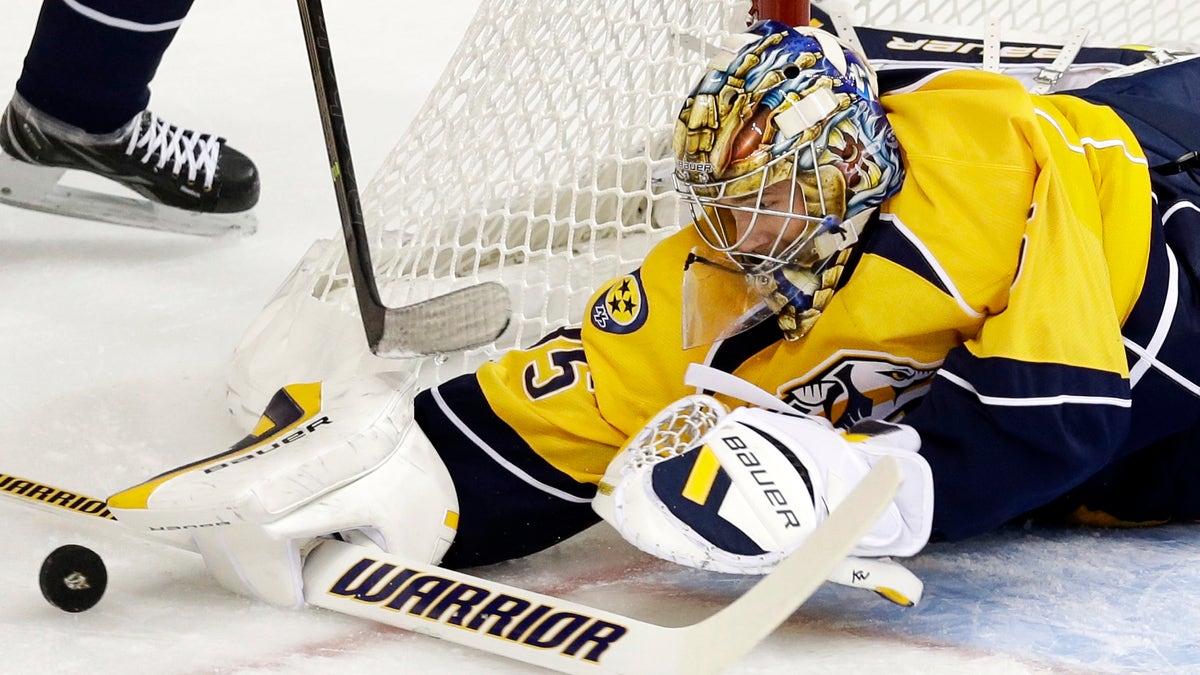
324 460
406 507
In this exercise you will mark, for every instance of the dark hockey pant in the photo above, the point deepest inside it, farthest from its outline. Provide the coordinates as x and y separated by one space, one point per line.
90 62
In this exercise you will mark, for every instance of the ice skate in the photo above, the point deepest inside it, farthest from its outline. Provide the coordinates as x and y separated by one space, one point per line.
191 182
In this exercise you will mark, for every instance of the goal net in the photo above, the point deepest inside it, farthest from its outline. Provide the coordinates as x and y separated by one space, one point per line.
543 161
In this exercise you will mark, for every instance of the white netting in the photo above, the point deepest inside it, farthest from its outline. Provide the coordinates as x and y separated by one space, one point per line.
542 160
674 430
1109 22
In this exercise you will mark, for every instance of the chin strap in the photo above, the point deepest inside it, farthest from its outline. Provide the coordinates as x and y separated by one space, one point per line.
798 296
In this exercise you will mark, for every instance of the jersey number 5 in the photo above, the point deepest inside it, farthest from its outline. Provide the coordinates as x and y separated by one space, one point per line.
566 367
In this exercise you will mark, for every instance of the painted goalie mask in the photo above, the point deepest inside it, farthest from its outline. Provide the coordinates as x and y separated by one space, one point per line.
783 154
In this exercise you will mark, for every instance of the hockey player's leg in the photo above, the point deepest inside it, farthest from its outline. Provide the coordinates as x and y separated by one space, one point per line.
348 463
737 492
81 103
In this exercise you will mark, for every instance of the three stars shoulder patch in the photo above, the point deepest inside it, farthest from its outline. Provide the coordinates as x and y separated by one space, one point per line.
622 308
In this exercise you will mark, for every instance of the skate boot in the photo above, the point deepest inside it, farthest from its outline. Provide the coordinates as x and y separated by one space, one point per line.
193 181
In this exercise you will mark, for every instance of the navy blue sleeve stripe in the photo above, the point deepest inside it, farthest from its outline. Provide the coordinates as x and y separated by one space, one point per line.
1027 400
730 353
896 242
887 242
491 435
1008 382
1004 437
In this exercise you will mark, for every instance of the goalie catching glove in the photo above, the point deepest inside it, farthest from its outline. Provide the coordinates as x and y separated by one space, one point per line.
323 461
738 491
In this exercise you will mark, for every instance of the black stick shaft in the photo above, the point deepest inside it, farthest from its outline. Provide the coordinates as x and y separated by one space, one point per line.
337 144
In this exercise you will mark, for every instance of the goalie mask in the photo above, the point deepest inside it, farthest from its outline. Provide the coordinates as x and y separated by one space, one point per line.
783 154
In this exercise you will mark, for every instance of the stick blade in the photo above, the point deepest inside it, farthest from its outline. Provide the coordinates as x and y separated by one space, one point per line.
716 642
462 319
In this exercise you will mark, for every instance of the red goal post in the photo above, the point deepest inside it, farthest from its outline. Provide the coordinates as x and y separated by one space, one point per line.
791 12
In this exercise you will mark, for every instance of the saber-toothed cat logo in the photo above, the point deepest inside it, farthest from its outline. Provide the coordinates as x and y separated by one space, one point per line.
851 386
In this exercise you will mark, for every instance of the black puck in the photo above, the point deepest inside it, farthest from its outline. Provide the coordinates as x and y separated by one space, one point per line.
73 578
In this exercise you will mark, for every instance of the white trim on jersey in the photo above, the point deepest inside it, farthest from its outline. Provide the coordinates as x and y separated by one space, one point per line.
1148 356
123 24
1163 368
1033 401
1184 204
934 264
1099 144
491 452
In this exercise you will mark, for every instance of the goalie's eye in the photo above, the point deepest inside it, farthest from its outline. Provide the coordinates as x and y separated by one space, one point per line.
747 201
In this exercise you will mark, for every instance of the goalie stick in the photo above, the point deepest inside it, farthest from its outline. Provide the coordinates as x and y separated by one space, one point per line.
465 318
546 631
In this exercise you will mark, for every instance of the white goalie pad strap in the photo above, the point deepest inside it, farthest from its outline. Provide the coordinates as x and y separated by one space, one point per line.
754 488
707 378
991 45
843 24
1049 76
312 439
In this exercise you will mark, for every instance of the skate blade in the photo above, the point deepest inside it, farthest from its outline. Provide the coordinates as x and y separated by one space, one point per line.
29 186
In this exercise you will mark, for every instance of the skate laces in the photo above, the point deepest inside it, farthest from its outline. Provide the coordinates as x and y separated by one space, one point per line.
184 149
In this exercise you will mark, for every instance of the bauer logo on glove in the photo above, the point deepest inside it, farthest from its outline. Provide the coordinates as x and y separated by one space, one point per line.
738 492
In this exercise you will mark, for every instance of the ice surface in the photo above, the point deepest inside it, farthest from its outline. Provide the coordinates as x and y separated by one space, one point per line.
113 345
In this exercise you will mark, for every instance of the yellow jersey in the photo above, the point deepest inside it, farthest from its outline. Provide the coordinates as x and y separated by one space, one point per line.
985 306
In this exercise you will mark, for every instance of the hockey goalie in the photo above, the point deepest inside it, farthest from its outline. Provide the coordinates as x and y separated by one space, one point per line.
994 287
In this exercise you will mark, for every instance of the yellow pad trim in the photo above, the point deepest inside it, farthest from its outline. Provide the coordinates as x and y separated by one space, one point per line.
894 596
704 474
265 425
293 405
451 520
1089 518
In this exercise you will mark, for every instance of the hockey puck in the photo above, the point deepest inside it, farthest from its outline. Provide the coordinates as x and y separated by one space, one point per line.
73 578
